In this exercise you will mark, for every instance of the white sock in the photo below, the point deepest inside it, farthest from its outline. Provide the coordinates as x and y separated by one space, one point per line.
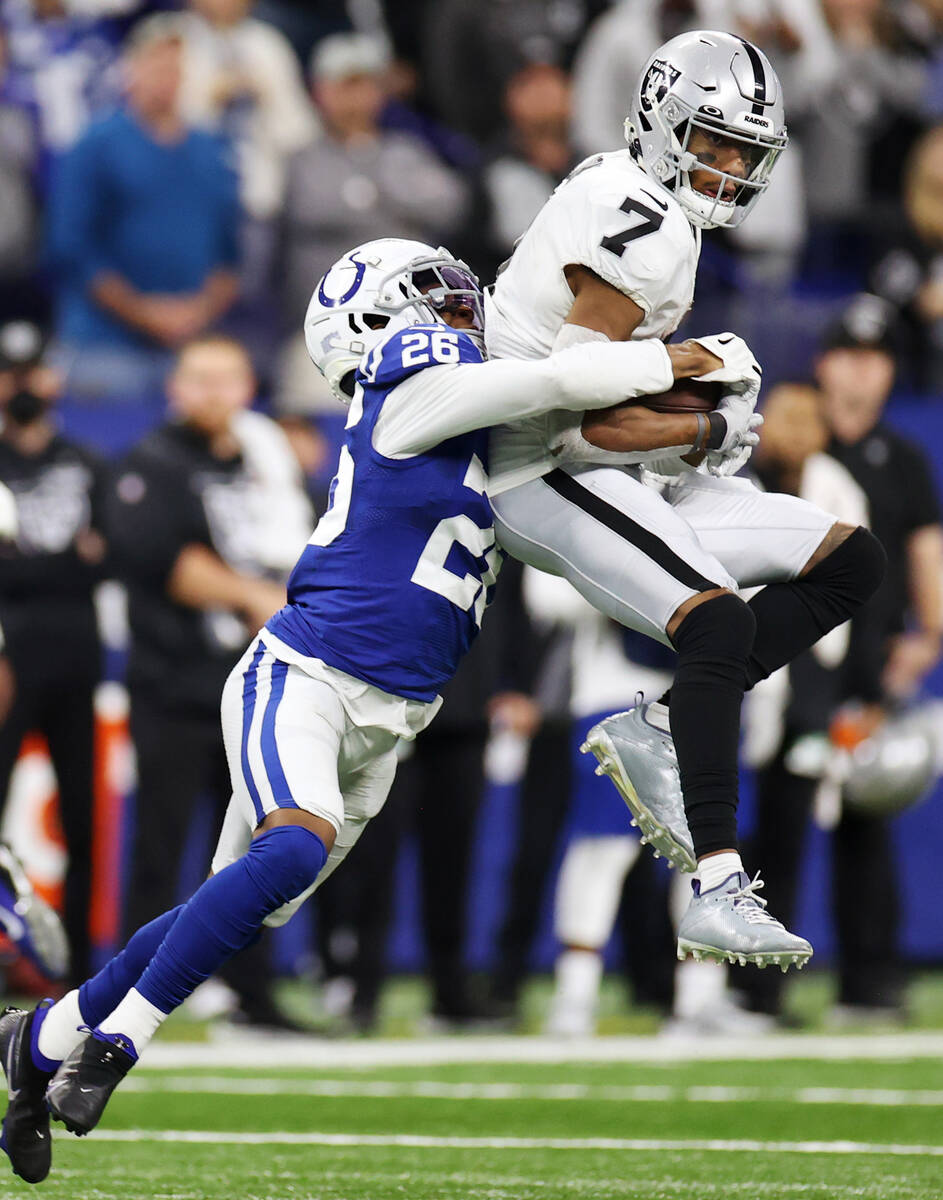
59 1033
713 870
657 714
134 1018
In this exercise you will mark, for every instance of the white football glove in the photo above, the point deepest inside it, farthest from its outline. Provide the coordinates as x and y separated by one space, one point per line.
741 437
740 371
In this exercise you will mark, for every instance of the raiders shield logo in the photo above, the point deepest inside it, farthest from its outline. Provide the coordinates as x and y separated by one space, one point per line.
659 79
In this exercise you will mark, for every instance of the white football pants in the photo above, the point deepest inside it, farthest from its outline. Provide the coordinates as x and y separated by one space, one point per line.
637 553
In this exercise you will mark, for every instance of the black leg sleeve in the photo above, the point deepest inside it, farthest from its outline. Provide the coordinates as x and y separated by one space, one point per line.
713 642
791 617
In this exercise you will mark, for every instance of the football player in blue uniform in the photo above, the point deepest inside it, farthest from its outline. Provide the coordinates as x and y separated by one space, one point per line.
385 599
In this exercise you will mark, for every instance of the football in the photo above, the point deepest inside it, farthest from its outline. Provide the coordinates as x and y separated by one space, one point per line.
687 396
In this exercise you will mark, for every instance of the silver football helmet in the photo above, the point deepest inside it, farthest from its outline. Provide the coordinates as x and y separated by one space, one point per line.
719 86
895 767
377 288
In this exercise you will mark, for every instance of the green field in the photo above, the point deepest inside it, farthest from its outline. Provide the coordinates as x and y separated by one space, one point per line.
514 1131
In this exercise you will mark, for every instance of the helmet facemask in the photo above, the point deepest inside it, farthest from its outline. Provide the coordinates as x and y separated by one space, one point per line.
708 206
434 287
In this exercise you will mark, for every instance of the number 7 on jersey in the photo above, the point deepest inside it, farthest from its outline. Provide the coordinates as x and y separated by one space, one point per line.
650 223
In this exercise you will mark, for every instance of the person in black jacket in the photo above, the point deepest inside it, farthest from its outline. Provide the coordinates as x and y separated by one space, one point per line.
52 652
896 638
192 535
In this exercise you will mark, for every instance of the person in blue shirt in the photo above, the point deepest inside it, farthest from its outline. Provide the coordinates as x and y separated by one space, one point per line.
142 224
385 599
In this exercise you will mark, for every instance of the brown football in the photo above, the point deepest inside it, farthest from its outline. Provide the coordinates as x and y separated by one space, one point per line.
687 396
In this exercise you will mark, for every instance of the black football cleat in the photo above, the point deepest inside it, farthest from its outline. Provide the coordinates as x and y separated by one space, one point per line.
25 1137
82 1086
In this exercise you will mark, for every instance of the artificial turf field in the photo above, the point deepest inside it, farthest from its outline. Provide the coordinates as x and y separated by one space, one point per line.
515 1130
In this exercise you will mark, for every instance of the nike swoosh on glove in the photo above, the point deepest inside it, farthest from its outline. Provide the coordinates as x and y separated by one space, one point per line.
740 366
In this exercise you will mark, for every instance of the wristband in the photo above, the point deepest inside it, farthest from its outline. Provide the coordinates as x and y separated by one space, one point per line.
718 424
703 430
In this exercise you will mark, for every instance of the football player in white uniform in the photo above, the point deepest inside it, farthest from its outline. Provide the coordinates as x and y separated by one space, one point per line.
657 535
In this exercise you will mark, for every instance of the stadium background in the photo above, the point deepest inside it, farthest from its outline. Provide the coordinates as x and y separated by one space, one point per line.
741 286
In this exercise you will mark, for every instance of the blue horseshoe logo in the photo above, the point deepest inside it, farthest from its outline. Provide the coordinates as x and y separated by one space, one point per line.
351 291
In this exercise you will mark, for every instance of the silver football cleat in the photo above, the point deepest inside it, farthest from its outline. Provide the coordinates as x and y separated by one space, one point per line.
730 923
640 760
28 921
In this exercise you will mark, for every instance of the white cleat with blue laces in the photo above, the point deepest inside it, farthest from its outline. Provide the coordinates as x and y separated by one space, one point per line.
640 759
730 923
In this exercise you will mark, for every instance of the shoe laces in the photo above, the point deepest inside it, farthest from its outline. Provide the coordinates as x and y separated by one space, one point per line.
751 906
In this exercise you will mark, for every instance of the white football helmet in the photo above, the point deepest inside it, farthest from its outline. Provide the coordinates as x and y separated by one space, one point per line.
720 84
377 288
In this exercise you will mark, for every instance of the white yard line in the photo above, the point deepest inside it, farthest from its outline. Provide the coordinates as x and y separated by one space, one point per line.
274 1051
428 1142
435 1089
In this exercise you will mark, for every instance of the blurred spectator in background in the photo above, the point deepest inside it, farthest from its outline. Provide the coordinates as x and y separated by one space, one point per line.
19 157
895 639
306 22
206 516
609 665
535 155
488 42
355 181
909 267
46 606
608 62
787 716
543 797
241 77
63 63
437 795
874 83
142 230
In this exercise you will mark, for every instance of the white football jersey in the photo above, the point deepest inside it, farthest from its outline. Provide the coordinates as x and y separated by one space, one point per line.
609 216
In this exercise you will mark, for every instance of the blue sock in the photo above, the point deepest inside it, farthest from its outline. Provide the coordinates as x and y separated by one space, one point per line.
99 995
226 913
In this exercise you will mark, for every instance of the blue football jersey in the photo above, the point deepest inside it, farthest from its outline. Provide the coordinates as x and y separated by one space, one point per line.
392 586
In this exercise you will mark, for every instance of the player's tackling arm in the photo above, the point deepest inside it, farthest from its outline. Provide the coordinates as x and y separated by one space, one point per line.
445 401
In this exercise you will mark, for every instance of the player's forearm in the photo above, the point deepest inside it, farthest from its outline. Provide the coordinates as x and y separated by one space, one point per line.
444 402
632 427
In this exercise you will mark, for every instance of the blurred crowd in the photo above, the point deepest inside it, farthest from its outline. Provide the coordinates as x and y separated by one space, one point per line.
165 172
174 178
